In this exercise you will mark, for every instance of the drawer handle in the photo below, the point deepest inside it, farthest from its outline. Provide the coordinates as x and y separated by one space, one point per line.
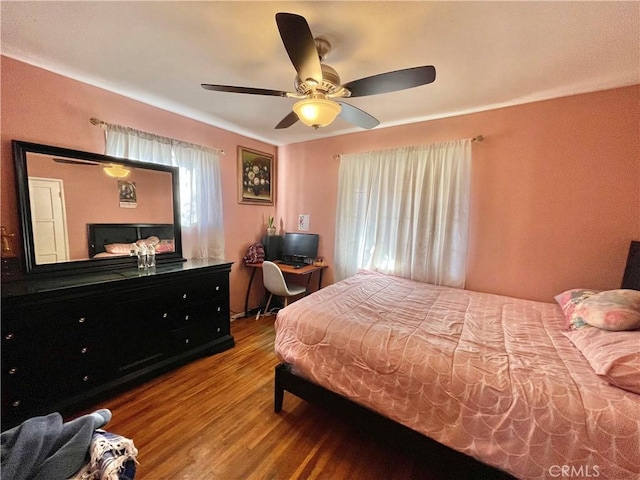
186 317
16 403
84 350
186 340
12 371
184 295
219 309
165 315
9 336
218 329
85 378
82 320
217 287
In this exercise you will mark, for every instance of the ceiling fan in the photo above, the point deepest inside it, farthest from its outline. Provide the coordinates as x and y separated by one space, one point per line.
74 162
112 169
317 84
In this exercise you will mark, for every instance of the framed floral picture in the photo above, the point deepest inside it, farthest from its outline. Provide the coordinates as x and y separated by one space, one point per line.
256 177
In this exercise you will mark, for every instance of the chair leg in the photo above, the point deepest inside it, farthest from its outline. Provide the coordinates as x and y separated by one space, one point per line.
266 308
286 301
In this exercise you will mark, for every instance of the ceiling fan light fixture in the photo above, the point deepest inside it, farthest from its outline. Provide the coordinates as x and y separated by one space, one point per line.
116 171
317 112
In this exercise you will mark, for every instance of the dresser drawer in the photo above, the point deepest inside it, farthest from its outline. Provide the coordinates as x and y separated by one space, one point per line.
24 386
143 326
23 394
17 408
53 324
43 343
201 289
194 336
201 312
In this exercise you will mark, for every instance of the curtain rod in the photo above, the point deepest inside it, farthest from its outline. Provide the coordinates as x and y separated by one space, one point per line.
477 139
99 123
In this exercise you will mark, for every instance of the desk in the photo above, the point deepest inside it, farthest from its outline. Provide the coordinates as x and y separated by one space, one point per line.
287 270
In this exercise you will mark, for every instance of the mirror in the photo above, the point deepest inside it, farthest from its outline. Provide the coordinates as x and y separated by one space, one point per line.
85 211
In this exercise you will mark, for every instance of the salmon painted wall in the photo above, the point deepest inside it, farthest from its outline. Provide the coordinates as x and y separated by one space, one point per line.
43 107
555 185
555 189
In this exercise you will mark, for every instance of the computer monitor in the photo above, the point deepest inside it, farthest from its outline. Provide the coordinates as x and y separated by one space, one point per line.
300 247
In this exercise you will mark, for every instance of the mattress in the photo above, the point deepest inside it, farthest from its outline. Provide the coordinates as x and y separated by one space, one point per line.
490 376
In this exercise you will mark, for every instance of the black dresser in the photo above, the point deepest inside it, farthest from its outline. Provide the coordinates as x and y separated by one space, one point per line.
70 340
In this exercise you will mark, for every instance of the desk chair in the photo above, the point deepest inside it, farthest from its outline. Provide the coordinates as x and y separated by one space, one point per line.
275 283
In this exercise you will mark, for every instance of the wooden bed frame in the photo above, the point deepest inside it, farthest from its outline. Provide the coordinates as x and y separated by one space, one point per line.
375 424
286 380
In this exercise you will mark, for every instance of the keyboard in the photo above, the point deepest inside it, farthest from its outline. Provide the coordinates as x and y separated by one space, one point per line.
293 264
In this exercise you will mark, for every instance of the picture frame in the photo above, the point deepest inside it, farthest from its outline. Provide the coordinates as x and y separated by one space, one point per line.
128 195
256 177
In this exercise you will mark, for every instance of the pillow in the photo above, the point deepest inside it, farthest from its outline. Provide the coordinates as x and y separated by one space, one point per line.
152 240
614 356
611 310
120 248
165 246
568 302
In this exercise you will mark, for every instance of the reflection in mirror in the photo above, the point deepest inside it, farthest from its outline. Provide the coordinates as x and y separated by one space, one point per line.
64 192
66 196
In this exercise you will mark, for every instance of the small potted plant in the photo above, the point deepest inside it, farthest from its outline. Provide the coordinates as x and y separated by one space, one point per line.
271 227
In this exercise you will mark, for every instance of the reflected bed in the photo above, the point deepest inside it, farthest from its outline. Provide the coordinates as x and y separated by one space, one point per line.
102 235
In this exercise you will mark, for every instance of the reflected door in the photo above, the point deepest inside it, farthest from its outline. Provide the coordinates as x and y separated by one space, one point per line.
48 220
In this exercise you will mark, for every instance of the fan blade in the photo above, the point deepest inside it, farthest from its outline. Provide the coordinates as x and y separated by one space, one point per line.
358 117
287 121
74 162
298 41
249 90
392 81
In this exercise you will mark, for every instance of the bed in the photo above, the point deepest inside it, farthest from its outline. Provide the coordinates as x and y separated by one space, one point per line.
496 378
116 239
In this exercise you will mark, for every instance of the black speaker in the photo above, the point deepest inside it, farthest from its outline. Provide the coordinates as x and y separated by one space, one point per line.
273 247
631 278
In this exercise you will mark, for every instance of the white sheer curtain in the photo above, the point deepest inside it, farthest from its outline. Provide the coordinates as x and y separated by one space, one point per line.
405 212
200 184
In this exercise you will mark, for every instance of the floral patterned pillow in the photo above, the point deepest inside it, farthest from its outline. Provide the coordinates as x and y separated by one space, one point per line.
568 302
614 310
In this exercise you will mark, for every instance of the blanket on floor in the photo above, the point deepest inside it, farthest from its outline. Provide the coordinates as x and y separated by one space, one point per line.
112 458
46 448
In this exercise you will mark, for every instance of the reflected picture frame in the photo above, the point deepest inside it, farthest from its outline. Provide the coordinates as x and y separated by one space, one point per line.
128 197
256 177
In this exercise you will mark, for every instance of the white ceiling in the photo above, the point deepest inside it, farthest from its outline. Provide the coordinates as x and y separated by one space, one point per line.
486 54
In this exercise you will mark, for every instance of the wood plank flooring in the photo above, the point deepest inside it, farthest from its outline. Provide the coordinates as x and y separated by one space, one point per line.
214 419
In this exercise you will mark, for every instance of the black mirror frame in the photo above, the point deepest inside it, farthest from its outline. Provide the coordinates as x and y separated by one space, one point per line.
20 150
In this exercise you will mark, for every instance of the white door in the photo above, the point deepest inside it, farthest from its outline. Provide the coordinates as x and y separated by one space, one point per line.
48 220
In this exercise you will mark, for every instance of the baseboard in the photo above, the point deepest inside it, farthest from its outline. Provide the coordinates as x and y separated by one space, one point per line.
249 313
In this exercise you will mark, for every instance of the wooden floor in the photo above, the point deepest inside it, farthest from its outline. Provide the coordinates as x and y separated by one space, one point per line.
214 419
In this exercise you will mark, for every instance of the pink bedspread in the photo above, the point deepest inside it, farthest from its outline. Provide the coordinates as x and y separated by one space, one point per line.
487 375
